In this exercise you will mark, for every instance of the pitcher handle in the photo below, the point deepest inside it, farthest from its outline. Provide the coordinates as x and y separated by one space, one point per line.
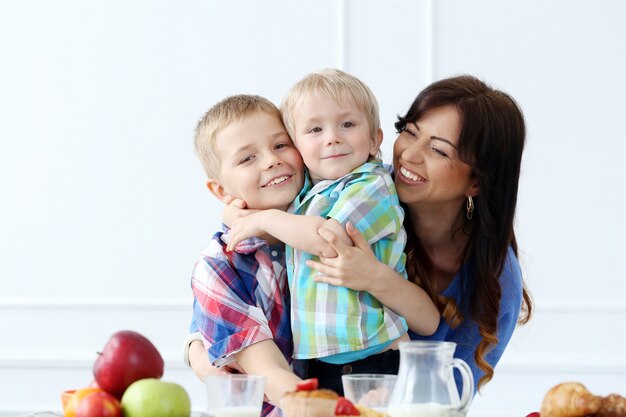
468 384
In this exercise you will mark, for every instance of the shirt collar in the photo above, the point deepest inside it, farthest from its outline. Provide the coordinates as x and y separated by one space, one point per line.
367 167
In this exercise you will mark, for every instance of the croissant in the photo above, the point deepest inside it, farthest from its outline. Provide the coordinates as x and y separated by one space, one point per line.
570 399
612 406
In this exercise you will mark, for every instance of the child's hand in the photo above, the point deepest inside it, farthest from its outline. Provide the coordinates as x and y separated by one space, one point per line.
234 368
234 211
231 368
335 228
244 228
237 202
354 267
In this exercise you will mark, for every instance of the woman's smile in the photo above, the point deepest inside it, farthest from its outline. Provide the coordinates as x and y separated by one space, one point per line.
409 175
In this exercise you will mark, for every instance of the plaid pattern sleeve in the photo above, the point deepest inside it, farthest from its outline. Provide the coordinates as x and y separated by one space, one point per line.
329 320
371 204
241 298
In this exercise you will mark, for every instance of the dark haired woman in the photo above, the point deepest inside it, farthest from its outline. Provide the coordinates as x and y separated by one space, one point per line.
457 163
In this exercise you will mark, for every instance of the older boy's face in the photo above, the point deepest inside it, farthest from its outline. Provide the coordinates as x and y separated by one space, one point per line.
259 162
333 138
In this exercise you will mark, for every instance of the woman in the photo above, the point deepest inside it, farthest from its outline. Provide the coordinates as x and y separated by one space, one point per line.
457 163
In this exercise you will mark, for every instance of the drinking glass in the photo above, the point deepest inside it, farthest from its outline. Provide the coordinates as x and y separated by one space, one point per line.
235 395
370 390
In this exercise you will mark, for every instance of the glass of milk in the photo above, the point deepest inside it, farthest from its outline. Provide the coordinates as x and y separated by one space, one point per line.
235 395
370 390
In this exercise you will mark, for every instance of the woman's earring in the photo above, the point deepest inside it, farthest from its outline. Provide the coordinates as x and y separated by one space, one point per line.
469 205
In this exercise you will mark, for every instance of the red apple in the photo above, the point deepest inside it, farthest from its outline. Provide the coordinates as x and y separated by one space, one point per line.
126 358
99 404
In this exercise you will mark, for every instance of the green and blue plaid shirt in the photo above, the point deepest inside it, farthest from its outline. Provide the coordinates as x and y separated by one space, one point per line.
329 320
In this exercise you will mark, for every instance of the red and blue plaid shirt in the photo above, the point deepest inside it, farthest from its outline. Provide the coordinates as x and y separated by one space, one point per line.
241 298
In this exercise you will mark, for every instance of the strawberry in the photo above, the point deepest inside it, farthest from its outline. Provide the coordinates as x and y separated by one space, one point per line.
345 408
535 414
307 385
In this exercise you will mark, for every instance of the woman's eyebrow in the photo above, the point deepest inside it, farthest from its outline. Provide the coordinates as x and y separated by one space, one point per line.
444 140
437 137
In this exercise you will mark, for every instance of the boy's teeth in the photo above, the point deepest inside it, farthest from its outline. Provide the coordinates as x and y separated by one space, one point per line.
410 175
277 181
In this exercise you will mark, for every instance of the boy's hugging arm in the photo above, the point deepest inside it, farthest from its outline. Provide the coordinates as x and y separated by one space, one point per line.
264 358
298 231
236 329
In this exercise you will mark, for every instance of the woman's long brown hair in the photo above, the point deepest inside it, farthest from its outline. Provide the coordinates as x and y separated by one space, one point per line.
491 142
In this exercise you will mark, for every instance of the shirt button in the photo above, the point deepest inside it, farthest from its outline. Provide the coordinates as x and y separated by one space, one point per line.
274 253
347 369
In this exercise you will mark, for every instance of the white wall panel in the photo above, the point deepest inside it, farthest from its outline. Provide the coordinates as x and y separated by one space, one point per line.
103 208
389 47
264 48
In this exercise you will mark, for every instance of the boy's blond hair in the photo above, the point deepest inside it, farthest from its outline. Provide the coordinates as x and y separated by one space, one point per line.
231 110
339 86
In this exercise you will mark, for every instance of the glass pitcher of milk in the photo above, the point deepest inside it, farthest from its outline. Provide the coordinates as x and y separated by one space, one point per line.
425 386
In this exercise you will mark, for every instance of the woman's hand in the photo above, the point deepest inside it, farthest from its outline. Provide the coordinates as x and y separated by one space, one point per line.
355 267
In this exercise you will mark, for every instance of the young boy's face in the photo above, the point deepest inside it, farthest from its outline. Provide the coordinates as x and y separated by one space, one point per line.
260 164
333 138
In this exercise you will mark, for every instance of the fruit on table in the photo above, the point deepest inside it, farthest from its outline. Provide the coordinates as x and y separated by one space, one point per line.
94 384
99 404
307 385
155 398
345 408
65 397
127 357
76 398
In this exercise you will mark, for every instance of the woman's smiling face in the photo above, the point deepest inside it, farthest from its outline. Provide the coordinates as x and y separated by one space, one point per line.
426 161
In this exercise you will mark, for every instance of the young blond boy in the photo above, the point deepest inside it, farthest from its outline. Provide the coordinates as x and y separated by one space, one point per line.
333 119
241 297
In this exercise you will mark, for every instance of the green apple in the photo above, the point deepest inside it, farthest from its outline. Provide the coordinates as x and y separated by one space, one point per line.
155 398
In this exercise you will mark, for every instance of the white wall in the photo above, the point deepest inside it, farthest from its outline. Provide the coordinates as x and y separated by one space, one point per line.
103 209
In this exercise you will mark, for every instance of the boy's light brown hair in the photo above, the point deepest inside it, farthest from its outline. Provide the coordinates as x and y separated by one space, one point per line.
340 87
230 110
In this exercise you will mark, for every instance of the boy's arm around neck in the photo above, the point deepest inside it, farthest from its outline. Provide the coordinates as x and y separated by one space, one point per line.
298 231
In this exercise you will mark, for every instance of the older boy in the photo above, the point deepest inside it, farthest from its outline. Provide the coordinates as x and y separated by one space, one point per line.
333 119
241 299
